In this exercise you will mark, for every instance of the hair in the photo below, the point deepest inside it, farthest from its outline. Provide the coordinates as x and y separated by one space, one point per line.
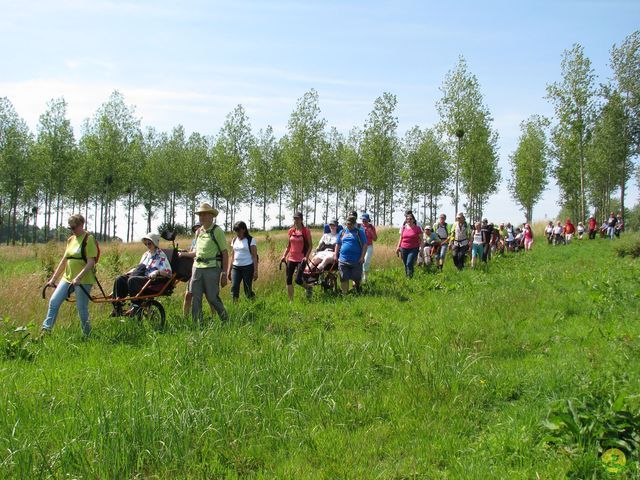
241 226
409 213
478 225
75 220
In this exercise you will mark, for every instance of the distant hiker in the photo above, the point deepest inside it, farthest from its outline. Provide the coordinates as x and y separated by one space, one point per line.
477 248
486 229
510 237
548 231
459 241
580 230
430 245
297 253
351 249
409 243
593 227
210 265
441 229
77 263
619 225
528 237
569 230
611 225
323 257
372 236
244 262
558 234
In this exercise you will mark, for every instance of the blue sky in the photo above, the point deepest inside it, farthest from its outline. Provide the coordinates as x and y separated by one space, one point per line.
191 62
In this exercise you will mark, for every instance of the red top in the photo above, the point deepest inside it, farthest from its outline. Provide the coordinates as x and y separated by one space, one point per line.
369 231
296 243
592 224
569 228
410 237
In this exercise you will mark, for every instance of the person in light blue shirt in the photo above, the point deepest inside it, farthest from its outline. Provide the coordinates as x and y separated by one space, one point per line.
351 249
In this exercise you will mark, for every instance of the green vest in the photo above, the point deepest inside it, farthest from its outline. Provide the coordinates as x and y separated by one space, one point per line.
209 247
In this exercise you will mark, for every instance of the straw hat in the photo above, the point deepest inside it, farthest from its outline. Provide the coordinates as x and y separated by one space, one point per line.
207 208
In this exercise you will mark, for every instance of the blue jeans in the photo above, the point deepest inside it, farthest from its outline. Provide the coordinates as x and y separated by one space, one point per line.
409 257
82 304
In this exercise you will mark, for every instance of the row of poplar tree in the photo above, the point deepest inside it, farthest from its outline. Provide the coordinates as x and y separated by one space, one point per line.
314 168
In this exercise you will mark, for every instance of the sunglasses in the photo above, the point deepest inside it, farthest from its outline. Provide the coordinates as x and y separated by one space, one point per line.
147 242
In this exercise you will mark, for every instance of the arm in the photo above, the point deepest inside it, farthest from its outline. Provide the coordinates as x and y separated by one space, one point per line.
228 270
61 266
254 257
225 265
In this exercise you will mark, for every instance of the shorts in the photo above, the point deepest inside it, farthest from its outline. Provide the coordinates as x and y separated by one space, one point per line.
477 250
350 271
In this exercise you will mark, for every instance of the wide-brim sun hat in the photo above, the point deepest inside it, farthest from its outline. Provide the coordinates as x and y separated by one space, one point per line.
207 208
153 238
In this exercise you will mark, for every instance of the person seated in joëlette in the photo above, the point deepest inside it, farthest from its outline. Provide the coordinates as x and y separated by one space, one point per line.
154 266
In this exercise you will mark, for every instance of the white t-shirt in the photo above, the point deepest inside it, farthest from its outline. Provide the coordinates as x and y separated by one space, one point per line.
557 230
241 253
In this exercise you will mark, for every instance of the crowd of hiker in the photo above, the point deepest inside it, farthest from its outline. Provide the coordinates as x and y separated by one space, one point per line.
346 250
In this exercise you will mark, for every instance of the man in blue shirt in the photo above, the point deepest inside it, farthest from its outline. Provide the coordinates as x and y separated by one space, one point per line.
351 248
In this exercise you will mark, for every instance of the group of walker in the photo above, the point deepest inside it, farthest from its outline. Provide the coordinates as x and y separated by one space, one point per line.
560 234
346 248
481 241
210 271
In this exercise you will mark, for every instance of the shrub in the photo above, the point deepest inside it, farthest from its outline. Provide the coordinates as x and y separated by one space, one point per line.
594 424
16 342
629 247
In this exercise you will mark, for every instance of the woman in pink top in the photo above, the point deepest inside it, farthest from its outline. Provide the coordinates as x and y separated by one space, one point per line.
297 253
409 243
528 237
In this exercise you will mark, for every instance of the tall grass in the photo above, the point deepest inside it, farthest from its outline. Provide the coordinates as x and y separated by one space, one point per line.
442 376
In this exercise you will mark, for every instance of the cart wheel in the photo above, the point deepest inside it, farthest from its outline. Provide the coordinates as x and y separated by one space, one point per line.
152 312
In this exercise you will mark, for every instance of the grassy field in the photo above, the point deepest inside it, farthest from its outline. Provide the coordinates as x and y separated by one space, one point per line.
445 376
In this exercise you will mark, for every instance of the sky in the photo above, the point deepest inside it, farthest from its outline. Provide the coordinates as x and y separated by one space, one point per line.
192 62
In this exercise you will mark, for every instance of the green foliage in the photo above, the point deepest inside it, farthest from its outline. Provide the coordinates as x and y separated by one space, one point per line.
588 426
573 99
16 342
466 121
628 246
530 165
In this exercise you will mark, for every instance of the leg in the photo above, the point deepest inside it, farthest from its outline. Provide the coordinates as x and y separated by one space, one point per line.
82 305
367 262
412 256
236 278
345 277
135 284
247 280
186 303
291 267
212 290
197 290
59 296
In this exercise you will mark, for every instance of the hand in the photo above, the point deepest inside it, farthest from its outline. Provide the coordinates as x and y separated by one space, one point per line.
75 282
255 275
361 260
51 282
223 279
282 259
229 273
